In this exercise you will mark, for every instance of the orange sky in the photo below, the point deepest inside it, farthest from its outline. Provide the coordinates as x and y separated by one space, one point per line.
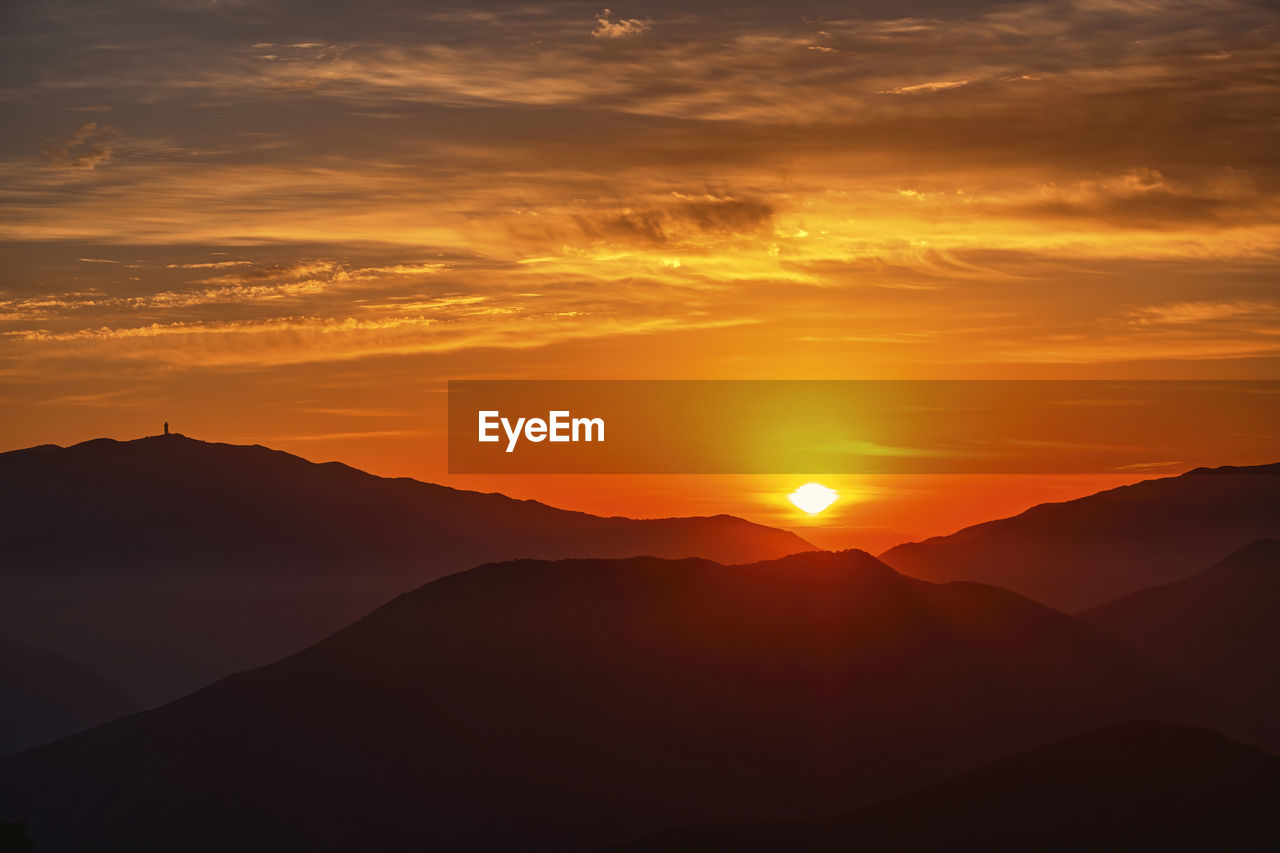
291 223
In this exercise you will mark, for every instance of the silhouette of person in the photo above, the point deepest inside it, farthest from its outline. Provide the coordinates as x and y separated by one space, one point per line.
166 427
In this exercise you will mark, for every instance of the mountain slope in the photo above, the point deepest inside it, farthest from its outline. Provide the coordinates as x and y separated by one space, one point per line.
1084 552
1135 786
165 562
43 696
563 705
1220 627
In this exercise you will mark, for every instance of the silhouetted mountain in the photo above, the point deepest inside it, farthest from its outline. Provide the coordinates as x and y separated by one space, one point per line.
1220 627
1135 786
44 696
1084 552
842 538
165 562
564 705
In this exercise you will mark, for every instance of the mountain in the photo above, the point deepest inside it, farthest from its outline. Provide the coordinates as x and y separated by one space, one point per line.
1220 627
1084 552
566 705
164 563
43 696
1135 786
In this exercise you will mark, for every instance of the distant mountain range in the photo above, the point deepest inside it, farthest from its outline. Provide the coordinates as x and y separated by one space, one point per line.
566 705
1135 786
842 538
1219 628
581 703
1088 551
165 563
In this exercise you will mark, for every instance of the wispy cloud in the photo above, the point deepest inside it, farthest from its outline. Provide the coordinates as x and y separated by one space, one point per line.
298 340
339 436
86 148
925 87
1146 466
1192 313
206 265
606 28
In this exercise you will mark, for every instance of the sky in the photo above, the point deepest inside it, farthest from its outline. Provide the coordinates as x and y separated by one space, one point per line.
290 223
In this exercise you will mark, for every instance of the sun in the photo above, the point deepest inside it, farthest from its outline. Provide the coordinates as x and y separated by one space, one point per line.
813 498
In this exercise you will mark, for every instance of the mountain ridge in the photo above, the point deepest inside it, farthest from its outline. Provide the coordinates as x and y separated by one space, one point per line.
165 562
257 453
1080 553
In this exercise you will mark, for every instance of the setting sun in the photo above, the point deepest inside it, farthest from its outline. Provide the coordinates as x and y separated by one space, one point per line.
813 498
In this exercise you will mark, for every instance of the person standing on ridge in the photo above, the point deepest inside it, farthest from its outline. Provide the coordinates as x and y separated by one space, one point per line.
166 427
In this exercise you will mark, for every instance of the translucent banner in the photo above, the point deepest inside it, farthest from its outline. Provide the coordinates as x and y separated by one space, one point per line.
856 426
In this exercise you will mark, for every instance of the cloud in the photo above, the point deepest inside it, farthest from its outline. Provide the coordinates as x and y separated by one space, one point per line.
302 340
1192 313
1144 197
1146 466
621 28
691 219
261 286
925 87
86 148
400 269
358 413
207 265
236 293
338 436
